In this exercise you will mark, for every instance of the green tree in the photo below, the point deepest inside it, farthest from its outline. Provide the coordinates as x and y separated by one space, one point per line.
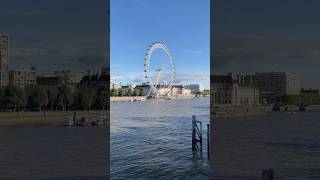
86 100
114 92
37 97
141 92
13 98
102 98
64 97
134 93
129 92
120 93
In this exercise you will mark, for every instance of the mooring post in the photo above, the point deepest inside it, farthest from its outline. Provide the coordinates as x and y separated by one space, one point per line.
193 133
200 137
267 174
74 118
208 140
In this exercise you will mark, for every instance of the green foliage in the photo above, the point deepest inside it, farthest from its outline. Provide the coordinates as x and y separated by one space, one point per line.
114 92
141 92
129 92
12 98
120 93
85 99
37 97
64 97
134 93
303 99
102 98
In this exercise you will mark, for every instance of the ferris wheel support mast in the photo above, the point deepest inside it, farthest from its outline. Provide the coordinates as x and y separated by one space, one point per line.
153 90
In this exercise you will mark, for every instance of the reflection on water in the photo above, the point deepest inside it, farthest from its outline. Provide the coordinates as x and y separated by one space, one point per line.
152 139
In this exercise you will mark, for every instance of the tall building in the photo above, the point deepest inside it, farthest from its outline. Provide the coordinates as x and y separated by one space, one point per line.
22 78
275 84
233 90
4 58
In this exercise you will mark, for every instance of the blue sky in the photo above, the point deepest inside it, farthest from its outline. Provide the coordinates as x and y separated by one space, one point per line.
183 25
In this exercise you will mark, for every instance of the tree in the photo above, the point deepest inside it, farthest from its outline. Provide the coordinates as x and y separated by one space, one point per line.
37 97
13 98
64 97
86 100
114 92
129 92
141 92
120 93
102 98
134 93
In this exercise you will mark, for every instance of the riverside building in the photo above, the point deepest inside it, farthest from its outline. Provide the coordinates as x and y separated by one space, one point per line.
22 78
4 58
234 90
272 85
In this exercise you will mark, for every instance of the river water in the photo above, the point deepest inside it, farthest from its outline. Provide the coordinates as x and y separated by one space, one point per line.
287 143
152 139
53 153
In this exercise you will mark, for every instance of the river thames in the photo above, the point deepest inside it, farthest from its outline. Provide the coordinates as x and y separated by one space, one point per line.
152 139
288 143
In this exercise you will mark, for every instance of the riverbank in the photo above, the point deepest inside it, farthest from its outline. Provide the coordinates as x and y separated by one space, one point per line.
226 111
126 98
48 118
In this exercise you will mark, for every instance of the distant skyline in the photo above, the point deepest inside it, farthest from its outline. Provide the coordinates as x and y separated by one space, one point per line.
264 36
55 35
183 25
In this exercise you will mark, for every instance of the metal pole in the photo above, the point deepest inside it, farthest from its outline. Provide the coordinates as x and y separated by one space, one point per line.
200 137
74 119
208 140
193 133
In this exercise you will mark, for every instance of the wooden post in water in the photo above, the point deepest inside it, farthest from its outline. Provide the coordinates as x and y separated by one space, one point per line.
196 131
208 140
267 174
200 136
194 142
74 119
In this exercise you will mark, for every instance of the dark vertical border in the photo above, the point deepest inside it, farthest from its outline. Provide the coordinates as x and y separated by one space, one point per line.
211 86
108 86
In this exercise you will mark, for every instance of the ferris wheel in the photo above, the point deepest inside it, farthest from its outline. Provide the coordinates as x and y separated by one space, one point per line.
153 78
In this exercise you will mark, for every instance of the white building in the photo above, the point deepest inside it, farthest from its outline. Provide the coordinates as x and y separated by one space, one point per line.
4 58
23 78
180 90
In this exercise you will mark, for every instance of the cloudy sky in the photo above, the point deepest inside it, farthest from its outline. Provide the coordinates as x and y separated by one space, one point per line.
55 34
268 35
183 25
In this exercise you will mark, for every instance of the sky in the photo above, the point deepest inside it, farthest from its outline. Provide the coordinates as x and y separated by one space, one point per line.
183 25
55 35
268 35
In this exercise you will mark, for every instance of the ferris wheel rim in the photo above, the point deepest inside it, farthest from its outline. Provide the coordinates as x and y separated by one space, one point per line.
150 50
